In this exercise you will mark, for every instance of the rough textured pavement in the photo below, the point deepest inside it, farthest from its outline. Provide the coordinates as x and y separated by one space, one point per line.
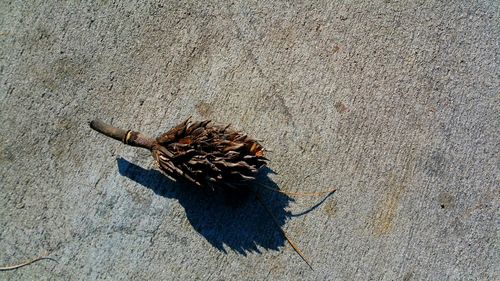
394 103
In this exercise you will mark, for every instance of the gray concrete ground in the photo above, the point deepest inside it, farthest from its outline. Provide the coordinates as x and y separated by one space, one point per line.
395 103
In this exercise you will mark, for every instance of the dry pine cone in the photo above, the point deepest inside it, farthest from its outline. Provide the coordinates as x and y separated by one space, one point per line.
203 153
208 155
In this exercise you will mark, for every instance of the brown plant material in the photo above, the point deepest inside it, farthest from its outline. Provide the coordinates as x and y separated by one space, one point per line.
19 265
285 235
205 154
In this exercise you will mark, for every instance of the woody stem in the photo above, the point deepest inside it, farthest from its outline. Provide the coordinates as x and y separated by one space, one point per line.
128 137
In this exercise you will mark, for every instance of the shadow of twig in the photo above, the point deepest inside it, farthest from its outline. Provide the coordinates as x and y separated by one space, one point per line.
235 220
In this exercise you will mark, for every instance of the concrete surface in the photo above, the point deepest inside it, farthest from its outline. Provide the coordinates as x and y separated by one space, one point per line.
395 103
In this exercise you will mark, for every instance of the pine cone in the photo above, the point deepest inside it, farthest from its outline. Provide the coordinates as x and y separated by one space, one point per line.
205 154
209 155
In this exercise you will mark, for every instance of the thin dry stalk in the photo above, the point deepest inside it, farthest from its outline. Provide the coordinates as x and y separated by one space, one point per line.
283 232
19 265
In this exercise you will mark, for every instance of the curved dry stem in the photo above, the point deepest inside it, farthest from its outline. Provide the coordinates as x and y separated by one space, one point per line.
16 266
315 194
